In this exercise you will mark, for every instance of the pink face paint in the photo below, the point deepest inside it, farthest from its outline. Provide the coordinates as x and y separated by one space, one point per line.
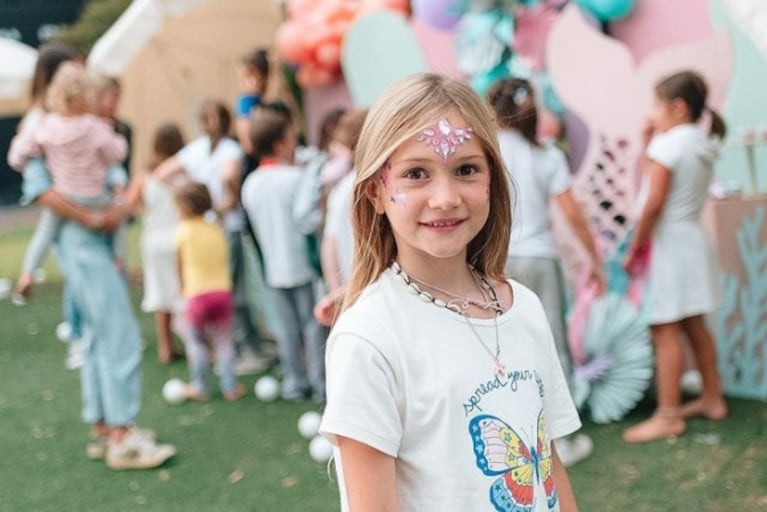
444 138
395 196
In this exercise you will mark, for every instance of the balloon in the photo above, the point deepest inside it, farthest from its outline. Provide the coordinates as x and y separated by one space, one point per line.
441 14
608 10
400 6
289 43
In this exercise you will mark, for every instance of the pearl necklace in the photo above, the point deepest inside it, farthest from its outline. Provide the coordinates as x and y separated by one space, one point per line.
499 368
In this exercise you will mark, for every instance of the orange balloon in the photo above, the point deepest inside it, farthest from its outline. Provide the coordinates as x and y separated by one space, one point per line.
289 43
328 54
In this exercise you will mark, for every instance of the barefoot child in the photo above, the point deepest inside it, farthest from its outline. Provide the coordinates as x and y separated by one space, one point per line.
444 387
207 287
682 277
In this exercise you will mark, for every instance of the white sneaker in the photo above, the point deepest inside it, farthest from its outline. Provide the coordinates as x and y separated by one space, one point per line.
138 451
574 449
75 355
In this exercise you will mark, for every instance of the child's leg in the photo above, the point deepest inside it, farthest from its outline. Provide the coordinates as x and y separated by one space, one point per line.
37 249
314 337
288 327
199 363
711 403
162 322
196 348
223 343
669 363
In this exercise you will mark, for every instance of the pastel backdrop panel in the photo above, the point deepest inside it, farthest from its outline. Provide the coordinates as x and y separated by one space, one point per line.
613 104
379 49
738 228
746 107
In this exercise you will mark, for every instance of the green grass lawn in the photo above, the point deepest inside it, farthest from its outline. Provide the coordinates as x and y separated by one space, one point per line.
248 456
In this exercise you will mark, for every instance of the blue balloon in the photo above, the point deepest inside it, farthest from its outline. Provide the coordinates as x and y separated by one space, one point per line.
608 10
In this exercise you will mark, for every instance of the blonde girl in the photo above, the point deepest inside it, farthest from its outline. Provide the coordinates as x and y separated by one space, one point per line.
207 287
444 388
682 277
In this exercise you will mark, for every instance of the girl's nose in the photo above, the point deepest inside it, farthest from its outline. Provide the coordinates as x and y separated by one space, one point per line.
445 194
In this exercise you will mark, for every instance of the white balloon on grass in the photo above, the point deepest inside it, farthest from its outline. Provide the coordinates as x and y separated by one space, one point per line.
64 332
320 449
174 391
309 424
267 388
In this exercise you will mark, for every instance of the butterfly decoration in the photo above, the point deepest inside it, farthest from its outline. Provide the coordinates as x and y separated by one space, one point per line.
501 452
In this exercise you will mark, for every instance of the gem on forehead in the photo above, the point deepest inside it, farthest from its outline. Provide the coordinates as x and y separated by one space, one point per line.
445 138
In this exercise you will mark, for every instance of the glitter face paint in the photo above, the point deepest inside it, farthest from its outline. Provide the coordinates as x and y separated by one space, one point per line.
444 138
395 196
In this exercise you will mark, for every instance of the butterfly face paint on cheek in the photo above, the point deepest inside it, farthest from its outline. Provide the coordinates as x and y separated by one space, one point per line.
395 196
444 138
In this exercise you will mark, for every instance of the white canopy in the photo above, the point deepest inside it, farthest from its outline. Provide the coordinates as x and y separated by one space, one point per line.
125 39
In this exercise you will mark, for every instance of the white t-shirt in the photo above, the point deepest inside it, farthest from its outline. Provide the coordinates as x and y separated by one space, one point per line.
268 196
205 167
689 153
338 224
411 379
539 173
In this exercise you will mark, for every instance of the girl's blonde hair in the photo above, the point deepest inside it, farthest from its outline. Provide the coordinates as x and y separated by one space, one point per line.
400 113
70 83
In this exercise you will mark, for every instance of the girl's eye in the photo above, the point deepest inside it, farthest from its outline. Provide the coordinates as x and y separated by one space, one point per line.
468 170
416 174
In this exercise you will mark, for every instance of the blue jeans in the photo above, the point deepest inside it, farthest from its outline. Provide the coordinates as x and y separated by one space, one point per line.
110 377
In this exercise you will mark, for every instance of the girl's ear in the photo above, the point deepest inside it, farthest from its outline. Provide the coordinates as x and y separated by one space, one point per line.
375 194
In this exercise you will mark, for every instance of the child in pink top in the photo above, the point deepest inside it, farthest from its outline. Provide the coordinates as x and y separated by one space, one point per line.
78 146
81 151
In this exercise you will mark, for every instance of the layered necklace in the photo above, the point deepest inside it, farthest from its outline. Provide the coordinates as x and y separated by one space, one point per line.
460 305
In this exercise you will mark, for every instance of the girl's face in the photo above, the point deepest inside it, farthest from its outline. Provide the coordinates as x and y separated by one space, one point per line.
666 114
434 189
211 123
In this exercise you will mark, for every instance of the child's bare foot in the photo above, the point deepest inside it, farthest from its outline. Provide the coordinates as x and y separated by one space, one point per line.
709 408
194 394
235 394
661 425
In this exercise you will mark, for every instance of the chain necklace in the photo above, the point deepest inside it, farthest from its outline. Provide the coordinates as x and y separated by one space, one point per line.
458 303
493 303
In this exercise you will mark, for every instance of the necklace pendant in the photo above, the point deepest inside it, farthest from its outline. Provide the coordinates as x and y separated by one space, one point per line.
500 369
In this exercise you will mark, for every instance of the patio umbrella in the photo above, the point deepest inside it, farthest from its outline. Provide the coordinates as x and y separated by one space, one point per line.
171 55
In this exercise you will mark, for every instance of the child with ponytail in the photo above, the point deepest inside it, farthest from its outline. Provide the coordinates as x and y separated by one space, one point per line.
682 277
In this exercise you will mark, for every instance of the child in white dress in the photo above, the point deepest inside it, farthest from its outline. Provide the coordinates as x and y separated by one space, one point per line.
158 251
444 387
682 277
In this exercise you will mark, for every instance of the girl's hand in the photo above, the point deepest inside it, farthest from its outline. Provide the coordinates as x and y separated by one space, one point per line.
636 260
